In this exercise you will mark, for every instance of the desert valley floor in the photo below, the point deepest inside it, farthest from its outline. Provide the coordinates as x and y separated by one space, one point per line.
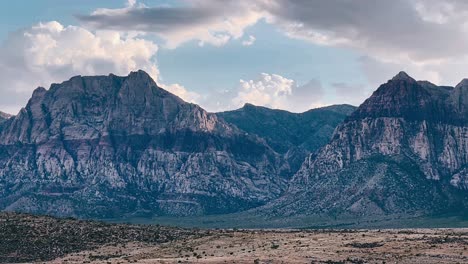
387 246
37 239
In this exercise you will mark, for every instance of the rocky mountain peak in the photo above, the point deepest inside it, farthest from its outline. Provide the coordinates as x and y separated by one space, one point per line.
402 76
104 137
404 140
249 105
249 108
139 74
462 84
459 98
402 96
37 94
142 77
39 91
87 107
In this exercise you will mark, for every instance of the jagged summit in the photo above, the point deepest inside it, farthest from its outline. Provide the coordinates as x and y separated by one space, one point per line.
103 104
402 96
140 75
249 105
417 100
39 91
463 83
402 76
402 151
125 137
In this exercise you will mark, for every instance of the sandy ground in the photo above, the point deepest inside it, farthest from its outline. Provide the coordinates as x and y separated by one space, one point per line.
289 246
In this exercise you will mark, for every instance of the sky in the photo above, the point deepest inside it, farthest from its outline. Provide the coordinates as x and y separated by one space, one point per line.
220 54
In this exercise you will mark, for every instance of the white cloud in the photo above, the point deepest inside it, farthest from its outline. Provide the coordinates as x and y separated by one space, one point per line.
427 35
131 3
388 29
206 21
269 90
276 91
427 38
249 42
420 32
50 52
182 92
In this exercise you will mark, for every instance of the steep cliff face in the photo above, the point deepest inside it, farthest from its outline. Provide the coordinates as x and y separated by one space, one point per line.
109 146
410 140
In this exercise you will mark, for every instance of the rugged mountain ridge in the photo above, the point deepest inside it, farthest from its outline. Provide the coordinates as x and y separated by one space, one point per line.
284 130
295 135
112 147
4 116
109 146
403 151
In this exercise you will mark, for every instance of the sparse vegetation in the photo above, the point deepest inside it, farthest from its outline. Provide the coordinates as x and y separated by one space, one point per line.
27 238
37 238
365 245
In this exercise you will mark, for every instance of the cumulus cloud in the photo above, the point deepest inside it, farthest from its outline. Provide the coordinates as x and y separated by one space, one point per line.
50 52
415 29
182 92
131 3
276 91
206 21
249 42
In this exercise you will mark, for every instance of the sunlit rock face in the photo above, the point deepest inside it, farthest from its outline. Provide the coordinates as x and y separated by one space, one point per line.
110 146
116 147
403 117
405 149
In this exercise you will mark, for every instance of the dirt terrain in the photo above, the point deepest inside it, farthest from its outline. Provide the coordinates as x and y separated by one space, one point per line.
347 246
28 238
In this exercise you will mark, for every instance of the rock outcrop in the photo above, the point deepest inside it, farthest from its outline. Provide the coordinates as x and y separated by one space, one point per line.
113 147
110 146
418 119
404 150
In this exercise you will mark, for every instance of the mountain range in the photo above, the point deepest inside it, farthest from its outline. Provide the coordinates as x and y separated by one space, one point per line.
113 147
403 151
109 146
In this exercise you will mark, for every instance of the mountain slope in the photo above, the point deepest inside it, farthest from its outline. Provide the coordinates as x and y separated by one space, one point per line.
283 130
403 151
4 116
294 135
109 146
